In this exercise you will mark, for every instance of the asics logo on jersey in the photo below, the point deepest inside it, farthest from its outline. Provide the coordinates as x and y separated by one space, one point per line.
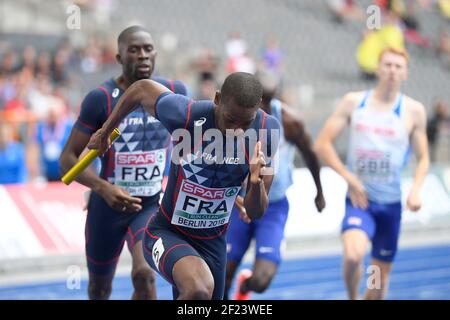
115 93
200 122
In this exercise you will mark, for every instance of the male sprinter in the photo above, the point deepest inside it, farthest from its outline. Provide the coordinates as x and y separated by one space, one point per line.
268 231
185 241
382 123
127 192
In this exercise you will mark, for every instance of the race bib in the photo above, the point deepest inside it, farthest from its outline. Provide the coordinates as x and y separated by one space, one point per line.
140 173
200 207
374 166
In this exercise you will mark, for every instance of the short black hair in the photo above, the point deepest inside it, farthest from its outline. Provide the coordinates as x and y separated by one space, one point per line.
123 36
244 88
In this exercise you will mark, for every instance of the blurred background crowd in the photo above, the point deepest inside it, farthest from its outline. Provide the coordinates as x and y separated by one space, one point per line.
318 49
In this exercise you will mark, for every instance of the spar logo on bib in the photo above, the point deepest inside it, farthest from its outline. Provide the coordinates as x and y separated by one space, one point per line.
201 207
140 173
136 158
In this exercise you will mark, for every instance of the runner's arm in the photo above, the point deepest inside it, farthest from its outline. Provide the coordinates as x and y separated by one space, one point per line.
334 125
72 150
420 144
262 170
143 93
295 132
92 115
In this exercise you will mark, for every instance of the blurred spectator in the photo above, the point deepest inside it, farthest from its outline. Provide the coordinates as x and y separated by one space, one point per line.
7 90
238 57
8 64
435 124
41 98
374 42
235 45
243 63
15 108
51 135
43 65
36 81
207 87
407 14
444 7
17 102
12 157
34 84
59 66
206 65
396 7
412 27
345 10
109 52
28 59
272 56
390 32
91 57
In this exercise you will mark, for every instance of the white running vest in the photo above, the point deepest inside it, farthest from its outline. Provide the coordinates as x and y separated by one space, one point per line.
286 154
378 150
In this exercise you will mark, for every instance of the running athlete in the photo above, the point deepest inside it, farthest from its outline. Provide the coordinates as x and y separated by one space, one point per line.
268 231
127 191
382 122
185 241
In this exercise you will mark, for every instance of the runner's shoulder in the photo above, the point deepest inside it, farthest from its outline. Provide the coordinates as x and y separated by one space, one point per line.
353 98
349 102
176 86
96 97
271 121
413 105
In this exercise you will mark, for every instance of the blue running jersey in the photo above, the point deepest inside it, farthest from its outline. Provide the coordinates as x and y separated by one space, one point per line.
286 153
137 159
378 148
201 191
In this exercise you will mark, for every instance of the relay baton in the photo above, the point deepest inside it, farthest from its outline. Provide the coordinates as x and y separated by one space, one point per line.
84 162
